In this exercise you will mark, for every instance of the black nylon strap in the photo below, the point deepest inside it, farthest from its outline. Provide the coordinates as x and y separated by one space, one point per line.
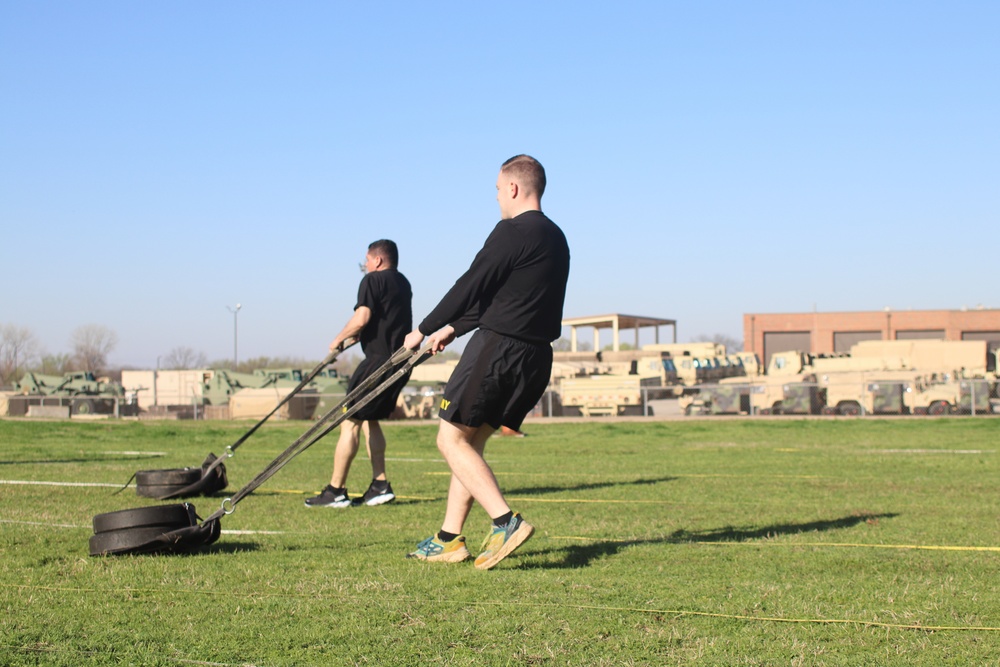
330 358
403 360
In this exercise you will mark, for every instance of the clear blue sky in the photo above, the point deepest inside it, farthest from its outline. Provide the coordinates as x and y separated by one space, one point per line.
162 160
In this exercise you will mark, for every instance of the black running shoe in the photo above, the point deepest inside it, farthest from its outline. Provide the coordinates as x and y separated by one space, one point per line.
379 493
329 497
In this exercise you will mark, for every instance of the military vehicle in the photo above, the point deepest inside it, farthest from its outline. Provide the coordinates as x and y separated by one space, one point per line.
718 399
606 395
610 382
952 396
219 385
80 390
701 362
927 355
884 377
867 392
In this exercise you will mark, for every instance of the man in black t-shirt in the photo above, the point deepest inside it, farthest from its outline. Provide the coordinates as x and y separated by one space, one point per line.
513 294
381 320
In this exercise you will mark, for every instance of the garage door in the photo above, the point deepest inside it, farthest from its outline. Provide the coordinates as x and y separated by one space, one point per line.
785 340
928 334
843 341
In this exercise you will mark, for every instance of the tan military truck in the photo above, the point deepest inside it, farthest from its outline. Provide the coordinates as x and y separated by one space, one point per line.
955 376
867 392
700 362
885 377
605 395
944 395
786 378
928 356
644 363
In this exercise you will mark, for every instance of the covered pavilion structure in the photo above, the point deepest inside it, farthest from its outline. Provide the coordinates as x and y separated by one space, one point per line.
616 322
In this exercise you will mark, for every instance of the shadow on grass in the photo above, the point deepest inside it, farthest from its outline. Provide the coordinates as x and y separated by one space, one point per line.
585 487
89 459
224 547
582 555
219 547
301 496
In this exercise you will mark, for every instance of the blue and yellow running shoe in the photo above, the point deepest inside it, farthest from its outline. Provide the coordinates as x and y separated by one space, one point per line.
502 540
433 549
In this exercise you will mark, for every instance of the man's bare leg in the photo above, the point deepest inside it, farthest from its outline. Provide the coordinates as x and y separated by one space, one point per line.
347 448
375 443
471 477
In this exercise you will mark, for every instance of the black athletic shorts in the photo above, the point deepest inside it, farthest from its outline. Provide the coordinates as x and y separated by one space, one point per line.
383 405
498 381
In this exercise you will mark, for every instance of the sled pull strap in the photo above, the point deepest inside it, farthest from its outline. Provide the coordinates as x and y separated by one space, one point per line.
330 358
126 485
330 421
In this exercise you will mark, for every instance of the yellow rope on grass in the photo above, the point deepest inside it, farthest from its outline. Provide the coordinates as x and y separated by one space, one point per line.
678 613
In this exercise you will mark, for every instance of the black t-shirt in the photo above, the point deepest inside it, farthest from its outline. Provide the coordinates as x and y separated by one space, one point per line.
516 284
388 295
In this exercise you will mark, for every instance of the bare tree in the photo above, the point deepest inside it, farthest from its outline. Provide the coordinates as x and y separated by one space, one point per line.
184 358
91 345
18 349
55 364
731 344
564 344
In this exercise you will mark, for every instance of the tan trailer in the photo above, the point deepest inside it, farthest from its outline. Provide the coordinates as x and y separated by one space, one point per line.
968 357
605 395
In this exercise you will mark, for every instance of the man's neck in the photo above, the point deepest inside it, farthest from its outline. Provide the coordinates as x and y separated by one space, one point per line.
528 206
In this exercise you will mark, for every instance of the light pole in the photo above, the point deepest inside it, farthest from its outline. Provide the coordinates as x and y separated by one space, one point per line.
236 356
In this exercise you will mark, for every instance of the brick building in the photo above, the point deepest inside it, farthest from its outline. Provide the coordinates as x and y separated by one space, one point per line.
767 333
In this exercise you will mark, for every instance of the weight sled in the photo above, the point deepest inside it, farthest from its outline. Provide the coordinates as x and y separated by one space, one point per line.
169 516
182 482
174 529
211 477
168 529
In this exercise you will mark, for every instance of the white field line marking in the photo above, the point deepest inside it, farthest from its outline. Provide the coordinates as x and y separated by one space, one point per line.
38 483
127 453
67 525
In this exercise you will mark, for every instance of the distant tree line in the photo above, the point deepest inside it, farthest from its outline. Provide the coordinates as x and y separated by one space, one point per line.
21 352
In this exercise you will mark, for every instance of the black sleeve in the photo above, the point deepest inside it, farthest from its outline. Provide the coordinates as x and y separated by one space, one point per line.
366 294
461 306
466 323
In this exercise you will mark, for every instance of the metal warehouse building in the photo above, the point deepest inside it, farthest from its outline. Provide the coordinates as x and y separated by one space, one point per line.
819 333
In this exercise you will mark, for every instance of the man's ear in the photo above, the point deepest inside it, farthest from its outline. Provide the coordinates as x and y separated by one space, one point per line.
514 189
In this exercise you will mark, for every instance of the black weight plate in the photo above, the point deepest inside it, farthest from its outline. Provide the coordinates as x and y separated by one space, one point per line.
136 540
176 476
169 516
158 490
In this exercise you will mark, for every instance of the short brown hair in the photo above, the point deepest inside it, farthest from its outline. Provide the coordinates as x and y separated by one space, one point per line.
528 171
387 250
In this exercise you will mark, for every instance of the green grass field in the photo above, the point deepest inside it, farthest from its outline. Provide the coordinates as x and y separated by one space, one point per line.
729 542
